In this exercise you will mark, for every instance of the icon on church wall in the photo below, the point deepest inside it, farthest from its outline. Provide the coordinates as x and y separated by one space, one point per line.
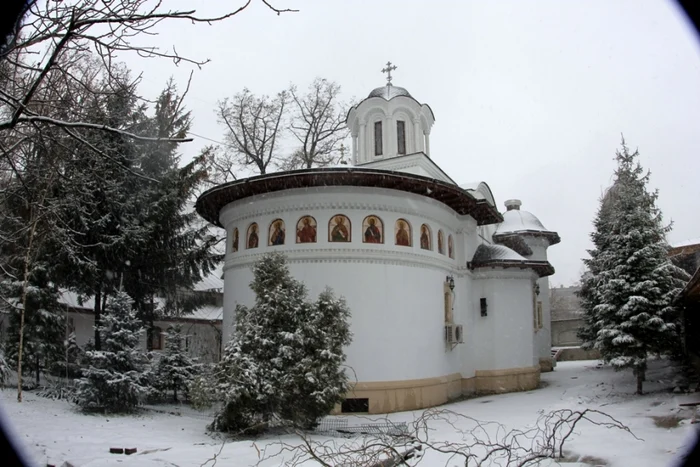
373 230
277 231
402 232
234 242
339 229
252 237
441 242
306 230
450 247
425 237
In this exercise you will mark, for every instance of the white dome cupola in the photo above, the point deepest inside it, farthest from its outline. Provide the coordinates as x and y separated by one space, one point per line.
389 123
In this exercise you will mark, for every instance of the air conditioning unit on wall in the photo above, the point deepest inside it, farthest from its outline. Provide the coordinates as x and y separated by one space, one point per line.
459 334
454 334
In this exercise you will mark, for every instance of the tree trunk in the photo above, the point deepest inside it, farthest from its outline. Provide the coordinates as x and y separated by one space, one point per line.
174 392
640 381
38 370
20 347
98 317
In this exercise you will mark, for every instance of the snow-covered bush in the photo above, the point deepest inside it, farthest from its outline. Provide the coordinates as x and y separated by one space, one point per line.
174 368
4 368
69 366
59 389
112 378
201 390
284 363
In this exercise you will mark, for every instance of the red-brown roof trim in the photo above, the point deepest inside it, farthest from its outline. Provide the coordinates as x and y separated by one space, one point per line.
210 203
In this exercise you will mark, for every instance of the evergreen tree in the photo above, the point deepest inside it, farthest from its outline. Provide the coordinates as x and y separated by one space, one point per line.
44 329
174 369
112 379
628 290
283 364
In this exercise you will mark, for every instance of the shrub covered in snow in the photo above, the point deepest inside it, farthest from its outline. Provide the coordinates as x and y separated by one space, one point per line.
284 363
4 368
201 389
628 289
174 368
112 379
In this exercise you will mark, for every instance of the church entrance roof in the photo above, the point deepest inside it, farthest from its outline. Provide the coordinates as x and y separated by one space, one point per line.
461 201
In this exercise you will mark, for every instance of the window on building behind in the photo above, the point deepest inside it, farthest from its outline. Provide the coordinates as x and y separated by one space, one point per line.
377 138
401 136
157 339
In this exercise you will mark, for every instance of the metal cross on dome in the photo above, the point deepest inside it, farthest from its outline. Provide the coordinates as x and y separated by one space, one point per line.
388 69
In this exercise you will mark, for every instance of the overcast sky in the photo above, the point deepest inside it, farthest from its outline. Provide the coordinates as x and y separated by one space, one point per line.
529 96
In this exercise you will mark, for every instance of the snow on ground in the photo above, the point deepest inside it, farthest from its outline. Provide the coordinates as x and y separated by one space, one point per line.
54 432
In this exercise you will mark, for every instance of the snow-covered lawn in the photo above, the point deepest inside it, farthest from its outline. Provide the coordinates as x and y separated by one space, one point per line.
54 431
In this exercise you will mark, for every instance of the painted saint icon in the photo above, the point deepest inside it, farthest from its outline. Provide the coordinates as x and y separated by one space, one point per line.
450 247
441 242
306 230
373 228
277 232
234 243
339 229
425 237
252 236
402 232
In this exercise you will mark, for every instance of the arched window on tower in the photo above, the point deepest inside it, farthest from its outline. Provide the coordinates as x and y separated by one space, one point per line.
401 137
378 138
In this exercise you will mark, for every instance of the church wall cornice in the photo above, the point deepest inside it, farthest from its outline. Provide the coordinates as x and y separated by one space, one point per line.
353 255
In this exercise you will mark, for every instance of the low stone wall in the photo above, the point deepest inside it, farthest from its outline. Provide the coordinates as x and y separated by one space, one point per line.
577 353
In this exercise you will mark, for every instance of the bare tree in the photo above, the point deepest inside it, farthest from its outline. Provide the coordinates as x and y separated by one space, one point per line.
254 125
53 29
478 443
318 124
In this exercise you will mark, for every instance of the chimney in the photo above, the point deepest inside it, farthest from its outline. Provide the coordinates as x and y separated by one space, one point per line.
513 204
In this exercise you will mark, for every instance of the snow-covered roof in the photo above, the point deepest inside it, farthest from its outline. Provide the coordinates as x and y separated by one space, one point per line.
205 312
214 281
689 242
389 91
487 255
517 221
479 190
487 252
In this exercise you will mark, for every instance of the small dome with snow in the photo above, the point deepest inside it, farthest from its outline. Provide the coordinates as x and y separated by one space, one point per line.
388 92
517 221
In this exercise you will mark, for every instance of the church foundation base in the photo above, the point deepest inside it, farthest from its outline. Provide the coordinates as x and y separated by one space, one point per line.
547 364
398 396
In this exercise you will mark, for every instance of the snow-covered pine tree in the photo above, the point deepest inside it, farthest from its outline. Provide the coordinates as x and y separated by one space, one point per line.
44 330
69 365
112 379
628 290
283 364
174 369
317 381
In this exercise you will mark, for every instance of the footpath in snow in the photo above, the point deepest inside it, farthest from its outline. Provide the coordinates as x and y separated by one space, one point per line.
53 432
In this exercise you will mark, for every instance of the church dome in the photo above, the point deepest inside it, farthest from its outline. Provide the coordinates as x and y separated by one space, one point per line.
516 221
388 92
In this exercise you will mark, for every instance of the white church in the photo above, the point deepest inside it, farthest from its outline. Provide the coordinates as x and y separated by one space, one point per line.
449 296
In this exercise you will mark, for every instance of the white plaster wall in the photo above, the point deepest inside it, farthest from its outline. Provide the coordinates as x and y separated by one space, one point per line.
543 336
395 293
504 338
